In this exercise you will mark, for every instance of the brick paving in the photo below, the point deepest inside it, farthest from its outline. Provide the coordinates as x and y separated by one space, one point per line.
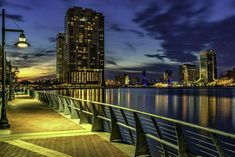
80 146
28 116
7 150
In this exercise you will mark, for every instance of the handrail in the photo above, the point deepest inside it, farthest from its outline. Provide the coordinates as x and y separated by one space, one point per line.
159 117
174 134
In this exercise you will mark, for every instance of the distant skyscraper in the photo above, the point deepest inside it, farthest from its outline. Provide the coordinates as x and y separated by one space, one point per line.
126 79
60 69
188 74
84 53
143 78
207 66
167 76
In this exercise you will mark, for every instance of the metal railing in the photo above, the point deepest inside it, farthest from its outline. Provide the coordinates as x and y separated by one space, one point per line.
151 134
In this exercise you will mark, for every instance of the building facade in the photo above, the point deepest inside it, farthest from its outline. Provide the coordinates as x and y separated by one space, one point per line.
84 47
207 67
167 76
188 74
60 65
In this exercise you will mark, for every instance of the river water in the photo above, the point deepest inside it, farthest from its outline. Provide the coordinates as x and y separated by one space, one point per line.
209 107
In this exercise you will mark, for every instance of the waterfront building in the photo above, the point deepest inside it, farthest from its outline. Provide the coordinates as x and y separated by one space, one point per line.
188 74
84 46
167 77
207 67
60 62
122 80
126 79
233 74
143 79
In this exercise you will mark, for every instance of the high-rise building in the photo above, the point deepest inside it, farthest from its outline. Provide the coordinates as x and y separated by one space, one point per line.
188 74
60 65
233 74
84 49
207 66
143 78
167 76
126 79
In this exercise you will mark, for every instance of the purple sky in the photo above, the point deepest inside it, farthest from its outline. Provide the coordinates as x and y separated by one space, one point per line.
151 35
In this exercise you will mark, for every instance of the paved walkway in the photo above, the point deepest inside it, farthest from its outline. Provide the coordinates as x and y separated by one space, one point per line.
37 131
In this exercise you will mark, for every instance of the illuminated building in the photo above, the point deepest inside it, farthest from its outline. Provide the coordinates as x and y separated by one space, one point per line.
167 76
60 67
122 79
233 74
126 79
143 77
207 67
84 46
188 74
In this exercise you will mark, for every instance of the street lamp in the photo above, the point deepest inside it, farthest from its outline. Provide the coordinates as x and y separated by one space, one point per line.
22 43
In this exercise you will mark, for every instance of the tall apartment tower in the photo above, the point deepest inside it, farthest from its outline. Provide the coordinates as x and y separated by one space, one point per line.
84 46
60 45
188 74
207 66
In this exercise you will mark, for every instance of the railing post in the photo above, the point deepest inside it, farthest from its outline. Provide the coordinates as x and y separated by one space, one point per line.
126 121
36 95
83 116
115 133
96 122
160 136
181 141
56 102
217 145
51 102
61 106
66 108
74 112
47 100
141 147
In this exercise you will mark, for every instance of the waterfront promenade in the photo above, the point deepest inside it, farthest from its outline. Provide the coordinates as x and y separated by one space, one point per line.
37 130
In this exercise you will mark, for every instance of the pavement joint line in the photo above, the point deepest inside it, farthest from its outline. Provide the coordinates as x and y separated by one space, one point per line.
45 135
37 149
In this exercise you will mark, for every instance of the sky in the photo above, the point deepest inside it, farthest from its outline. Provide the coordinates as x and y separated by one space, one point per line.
151 35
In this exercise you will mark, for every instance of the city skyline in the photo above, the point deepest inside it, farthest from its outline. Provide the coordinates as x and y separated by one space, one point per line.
149 35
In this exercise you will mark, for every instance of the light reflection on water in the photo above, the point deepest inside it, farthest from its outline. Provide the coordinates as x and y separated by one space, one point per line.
207 107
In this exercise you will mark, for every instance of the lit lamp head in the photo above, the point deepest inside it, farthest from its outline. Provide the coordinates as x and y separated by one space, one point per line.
22 43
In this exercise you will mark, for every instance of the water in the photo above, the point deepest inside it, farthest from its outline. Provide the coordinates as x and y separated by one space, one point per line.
212 107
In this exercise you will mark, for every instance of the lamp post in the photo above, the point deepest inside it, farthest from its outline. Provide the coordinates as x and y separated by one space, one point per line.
22 44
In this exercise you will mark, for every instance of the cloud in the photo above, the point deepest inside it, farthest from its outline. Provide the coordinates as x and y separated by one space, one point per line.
2 3
111 60
14 17
107 61
39 54
186 28
130 46
25 57
14 5
52 39
117 28
158 56
34 56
